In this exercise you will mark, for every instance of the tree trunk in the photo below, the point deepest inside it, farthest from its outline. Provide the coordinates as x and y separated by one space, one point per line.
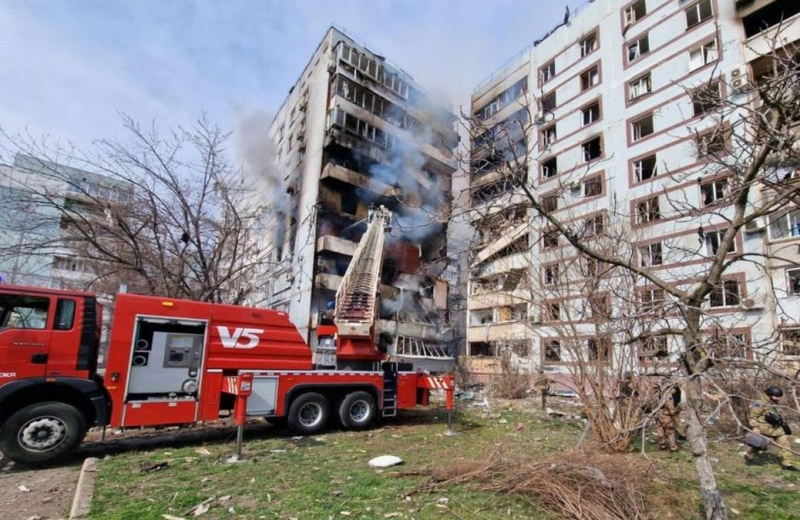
713 505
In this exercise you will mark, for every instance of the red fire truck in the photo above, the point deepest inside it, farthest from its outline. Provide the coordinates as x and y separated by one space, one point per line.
177 362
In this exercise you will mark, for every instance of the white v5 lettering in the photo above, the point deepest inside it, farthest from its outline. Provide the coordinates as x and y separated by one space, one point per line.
233 339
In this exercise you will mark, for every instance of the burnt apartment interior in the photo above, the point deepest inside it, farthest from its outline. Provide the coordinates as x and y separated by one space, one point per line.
364 166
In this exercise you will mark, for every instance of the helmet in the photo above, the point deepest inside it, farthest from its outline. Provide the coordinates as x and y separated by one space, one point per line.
774 391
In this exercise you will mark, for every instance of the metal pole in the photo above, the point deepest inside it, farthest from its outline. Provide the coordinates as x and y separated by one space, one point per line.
239 441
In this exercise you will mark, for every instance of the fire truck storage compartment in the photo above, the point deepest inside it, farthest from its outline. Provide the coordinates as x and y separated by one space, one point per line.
167 358
263 400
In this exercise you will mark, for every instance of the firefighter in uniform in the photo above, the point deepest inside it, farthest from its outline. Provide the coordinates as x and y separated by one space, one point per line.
667 421
542 385
767 421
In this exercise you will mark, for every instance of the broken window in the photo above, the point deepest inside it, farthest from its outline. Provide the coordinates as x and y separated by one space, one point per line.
552 311
642 127
552 350
592 149
793 278
769 16
482 348
588 44
551 274
547 72
550 239
644 169
599 349
705 99
699 12
550 168
635 12
593 226
549 102
590 78
712 143
725 296
651 300
714 191
591 113
593 186
653 347
785 225
703 55
600 307
549 135
651 255
713 239
638 48
648 210
640 86
550 203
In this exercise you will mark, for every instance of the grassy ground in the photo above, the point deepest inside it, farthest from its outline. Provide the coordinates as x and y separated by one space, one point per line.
328 477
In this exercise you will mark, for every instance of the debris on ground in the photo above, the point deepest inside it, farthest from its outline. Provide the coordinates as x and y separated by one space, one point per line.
385 461
574 485
554 413
147 466
23 488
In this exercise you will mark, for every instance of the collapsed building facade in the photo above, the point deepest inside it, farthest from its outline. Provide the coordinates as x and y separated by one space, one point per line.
604 109
357 131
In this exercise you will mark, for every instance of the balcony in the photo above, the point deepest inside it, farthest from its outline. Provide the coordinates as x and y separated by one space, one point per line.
346 175
507 331
498 299
504 241
424 331
335 244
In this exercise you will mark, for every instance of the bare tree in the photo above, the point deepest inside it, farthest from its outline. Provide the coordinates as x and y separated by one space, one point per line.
665 293
166 215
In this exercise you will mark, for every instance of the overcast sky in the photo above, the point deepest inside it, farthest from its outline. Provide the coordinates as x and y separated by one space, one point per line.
68 67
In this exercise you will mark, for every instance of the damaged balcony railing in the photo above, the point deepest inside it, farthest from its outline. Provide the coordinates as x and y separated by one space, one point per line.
417 348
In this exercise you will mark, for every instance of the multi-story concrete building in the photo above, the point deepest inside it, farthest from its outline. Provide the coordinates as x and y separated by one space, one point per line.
607 106
354 131
32 194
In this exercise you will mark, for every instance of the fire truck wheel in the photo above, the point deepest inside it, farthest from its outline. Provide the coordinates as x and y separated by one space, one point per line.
308 414
42 432
357 411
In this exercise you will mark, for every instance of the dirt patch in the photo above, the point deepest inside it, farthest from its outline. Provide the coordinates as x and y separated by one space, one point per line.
49 491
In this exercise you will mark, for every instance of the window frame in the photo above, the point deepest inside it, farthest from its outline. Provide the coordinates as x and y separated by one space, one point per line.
547 72
546 168
697 10
591 39
26 302
636 127
653 210
642 41
588 142
590 78
651 255
593 111
724 294
633 86
638 168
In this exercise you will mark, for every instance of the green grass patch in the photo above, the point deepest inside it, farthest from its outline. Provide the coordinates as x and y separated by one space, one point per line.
328 476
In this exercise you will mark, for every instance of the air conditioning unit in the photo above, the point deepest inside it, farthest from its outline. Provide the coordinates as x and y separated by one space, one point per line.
756 225
540 120
301 136
575 186
738 80
303 106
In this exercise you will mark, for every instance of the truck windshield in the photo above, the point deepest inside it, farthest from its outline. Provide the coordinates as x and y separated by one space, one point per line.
23 312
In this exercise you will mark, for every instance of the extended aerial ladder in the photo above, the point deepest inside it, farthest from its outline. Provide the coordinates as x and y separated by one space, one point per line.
355 312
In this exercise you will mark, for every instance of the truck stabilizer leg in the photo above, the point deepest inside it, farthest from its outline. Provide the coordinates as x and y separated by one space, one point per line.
449 389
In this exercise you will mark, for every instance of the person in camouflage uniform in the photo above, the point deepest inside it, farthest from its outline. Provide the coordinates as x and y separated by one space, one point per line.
766 420
542 385
667 421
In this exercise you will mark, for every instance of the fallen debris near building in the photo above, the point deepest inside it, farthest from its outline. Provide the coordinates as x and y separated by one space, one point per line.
573 485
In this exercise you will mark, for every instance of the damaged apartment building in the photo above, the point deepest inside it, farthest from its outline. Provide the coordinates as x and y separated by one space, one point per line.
600 109
357 131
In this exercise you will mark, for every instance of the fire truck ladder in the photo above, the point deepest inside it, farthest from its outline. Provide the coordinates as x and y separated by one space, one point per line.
390 389
354 315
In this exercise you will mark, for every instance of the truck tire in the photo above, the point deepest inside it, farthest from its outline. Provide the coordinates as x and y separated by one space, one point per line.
358 411
308 414
42 432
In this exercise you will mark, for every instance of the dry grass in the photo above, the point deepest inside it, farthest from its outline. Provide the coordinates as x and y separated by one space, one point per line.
572 485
